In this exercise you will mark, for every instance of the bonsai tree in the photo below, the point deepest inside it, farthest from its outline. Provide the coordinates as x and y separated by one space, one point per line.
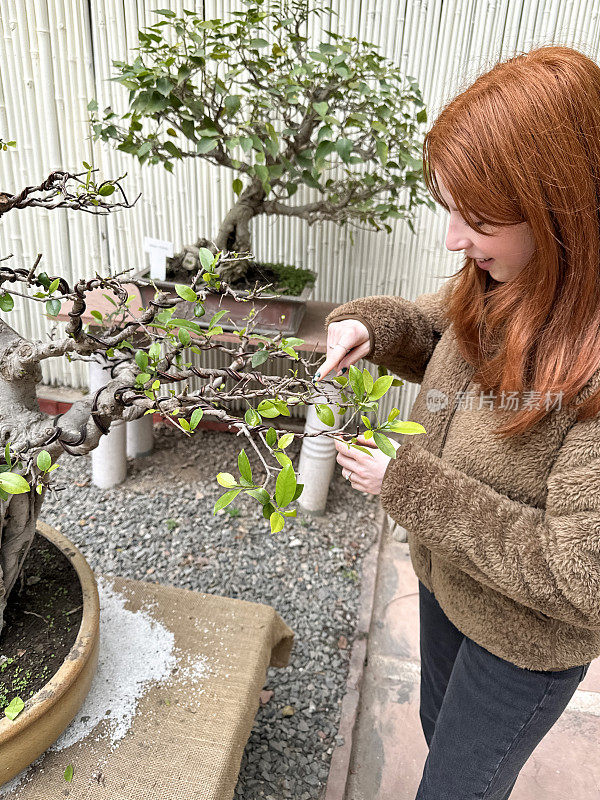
252 95
144 349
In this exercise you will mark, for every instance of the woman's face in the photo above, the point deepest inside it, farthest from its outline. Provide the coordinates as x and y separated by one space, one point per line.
509 247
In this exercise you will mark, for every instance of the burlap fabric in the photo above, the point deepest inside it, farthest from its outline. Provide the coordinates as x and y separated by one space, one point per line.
187 740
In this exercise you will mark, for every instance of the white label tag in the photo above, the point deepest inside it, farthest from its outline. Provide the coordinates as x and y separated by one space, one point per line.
158 251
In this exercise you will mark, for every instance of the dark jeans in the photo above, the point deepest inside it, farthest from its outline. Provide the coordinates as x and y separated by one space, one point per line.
482 716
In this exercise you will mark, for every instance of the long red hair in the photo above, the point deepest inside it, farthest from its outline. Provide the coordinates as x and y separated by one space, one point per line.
522 144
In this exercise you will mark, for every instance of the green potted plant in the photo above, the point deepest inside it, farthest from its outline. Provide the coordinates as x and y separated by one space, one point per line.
145 350
252 94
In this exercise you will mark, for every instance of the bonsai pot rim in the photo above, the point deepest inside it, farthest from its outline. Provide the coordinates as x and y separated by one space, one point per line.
50 710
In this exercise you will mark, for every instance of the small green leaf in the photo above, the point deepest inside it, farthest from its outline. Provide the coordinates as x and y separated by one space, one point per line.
267 409
53 307
206 258
367 380
44 461
277 522
244 466
344 148
285 485
325 414
237 186
186 292
141 359
68 773
255 44
252 417
356 380
384 444
106 190
96 315
197 415
226 479
271 437
380 387
259 357
225 499
285 440
409 428
422 115
321 108
14 708
13 483
6 302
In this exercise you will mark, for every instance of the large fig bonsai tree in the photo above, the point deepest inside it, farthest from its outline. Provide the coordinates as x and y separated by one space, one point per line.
253 95
145 350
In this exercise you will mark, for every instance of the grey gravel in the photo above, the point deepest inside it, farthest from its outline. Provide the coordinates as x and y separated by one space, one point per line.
158 526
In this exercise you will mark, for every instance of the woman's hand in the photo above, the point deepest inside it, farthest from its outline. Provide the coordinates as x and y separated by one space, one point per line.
366 472
347 342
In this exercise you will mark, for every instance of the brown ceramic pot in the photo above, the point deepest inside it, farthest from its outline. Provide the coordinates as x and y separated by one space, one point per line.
50 710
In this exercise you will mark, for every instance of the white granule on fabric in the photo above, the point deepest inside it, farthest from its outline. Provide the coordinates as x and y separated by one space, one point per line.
134 651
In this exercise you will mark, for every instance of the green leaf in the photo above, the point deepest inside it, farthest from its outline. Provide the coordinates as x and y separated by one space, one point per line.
285 486
96 315
380 387
44 460
237 186
367 380
344 148
53 307
325 414
106 190
197 415
206 257
225 499
259 357
13 483
244 466
409 428
14 708
422 115
251 417
384 444
277 522
68 773
186 292
321 108
255 44
141 359
285 440
232 104
271 437
206 145
259 494
226 479
184 336
382 151
356 380
267 409
6 302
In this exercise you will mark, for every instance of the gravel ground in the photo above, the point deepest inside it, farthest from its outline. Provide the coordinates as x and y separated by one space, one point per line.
148 528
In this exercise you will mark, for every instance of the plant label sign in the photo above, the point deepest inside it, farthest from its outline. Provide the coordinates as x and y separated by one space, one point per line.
158 251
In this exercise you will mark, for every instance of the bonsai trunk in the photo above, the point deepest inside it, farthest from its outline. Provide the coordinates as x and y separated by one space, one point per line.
233 236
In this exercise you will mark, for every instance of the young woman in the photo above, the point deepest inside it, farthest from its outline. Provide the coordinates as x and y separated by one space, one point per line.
501 495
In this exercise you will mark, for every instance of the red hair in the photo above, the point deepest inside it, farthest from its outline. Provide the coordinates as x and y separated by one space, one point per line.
522 144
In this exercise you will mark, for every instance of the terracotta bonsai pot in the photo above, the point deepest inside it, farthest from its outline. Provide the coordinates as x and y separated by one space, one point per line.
268 316
48 712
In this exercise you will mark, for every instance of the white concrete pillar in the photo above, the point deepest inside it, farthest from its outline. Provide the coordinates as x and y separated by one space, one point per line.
140 437
317 459
109 459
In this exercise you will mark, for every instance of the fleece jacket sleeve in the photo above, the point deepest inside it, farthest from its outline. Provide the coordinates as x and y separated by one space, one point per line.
403 333
548 560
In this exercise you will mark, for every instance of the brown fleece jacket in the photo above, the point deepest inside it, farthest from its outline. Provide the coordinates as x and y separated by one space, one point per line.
505 533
